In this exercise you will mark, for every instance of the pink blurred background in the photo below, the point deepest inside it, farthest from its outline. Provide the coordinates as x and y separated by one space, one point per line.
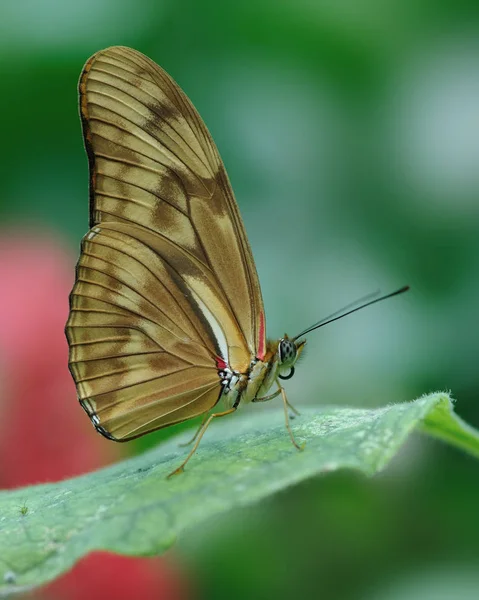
42 431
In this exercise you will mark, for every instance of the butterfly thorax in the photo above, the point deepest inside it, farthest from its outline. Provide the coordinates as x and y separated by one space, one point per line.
256 382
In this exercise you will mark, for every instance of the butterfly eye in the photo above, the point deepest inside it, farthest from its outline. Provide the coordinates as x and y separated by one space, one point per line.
287 352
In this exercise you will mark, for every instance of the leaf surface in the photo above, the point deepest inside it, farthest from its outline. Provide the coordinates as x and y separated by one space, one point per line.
132 509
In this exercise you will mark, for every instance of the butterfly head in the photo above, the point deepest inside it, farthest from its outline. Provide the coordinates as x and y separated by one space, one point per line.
288 353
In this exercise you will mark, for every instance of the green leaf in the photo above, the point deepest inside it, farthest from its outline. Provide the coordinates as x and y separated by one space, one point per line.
131 508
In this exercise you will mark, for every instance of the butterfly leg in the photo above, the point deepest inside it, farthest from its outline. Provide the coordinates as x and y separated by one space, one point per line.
286 405
199 435
269 397
190 441
274 395
286 416
296 412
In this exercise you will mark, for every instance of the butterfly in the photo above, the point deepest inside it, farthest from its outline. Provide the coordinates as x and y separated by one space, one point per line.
166 314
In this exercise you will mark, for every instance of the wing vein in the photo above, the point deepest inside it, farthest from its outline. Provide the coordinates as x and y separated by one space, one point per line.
157 113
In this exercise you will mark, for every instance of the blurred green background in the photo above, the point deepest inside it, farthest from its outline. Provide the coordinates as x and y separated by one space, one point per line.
350 131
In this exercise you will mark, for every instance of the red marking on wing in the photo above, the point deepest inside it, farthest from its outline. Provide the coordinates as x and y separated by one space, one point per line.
261 336
220 364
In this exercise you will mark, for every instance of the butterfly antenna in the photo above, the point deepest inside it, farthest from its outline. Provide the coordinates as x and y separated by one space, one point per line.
348 309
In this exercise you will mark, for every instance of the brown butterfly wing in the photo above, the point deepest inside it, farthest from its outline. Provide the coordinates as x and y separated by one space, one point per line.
166 287
141 355
153 163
